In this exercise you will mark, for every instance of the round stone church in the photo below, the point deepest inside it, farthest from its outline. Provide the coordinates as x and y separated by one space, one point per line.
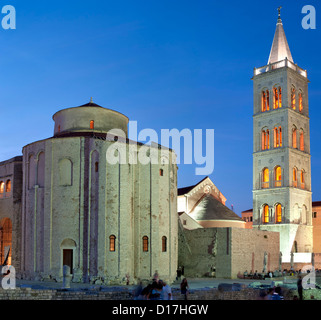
110 222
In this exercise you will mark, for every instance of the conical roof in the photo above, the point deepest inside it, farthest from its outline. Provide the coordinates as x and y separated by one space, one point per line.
280 47
210 208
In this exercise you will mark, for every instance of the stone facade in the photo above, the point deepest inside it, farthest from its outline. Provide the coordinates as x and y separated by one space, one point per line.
316 221
112 223
10 210
228 251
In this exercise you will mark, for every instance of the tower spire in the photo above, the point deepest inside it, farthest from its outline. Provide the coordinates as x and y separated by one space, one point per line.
280 48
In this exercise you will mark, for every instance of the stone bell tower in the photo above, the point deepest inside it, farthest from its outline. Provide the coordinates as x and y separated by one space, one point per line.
282 200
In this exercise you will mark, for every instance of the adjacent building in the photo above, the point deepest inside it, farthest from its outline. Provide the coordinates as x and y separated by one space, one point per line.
213 239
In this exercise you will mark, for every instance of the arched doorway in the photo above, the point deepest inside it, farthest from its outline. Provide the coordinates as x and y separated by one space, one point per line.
5 241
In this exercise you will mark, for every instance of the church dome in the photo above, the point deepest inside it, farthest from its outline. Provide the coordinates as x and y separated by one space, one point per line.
89 117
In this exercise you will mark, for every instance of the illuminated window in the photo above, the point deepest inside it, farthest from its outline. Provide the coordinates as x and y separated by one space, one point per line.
301 140
278 176
265 178
112 242
277 97
294 138
295 177
5 241
8 186
277 137
164 244
161 172
92 124
278 213
300 102
265 135
265 100
293 101
302 178
145 244
265 213
1 187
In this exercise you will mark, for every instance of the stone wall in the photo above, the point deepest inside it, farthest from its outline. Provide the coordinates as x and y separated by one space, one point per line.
10 205
95 294
84 201
231 251
197 251
248 247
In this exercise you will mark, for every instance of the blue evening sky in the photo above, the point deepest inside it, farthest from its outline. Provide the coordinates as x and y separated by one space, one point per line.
165 64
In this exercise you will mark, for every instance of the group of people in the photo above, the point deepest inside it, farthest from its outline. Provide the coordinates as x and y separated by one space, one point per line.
159 290
270 274
257 275
272 294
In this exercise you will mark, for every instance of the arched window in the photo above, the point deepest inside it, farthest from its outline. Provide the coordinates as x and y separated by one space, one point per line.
278 176
301 140
112 243
277 97
5 241
302 178
295 177
293 101
92 124
294 138
300 101
265 96
277 137
1 187
31 171
164 244
41 170
65 172
265 213
265 135
265 178
8 186
145 244
278 213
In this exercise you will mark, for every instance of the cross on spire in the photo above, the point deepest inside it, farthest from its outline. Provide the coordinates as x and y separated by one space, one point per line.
279 9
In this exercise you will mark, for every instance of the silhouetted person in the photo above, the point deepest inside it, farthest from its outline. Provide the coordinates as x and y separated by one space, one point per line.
300 288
